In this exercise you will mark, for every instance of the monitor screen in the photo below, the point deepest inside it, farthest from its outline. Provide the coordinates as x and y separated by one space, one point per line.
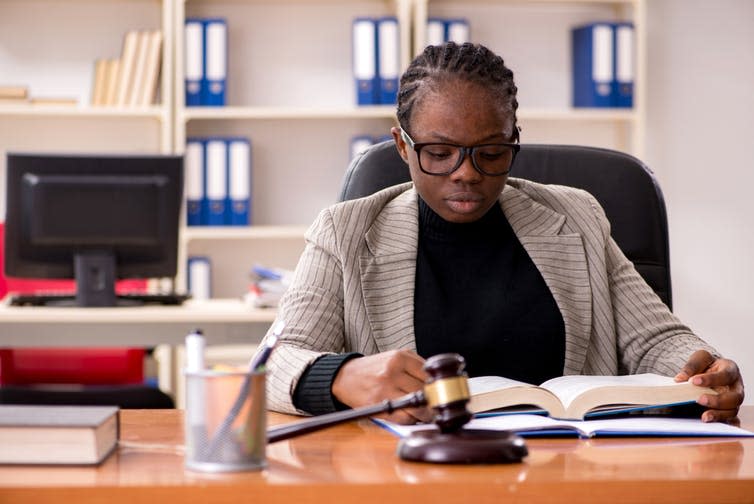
94 218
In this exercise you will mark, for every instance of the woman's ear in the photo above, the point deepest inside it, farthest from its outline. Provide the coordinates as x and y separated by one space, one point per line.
399 143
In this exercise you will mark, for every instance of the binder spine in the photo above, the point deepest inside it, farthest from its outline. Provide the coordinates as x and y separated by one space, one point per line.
388 64
592 47
216 65
623 85
364 46
435 31
199 276
239 181
194 165
194 61
457 30
217 182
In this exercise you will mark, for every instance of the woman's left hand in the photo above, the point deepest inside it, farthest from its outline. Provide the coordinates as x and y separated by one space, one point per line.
721 375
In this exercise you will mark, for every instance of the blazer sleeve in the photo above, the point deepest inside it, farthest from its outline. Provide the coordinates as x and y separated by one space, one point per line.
649 337
312 309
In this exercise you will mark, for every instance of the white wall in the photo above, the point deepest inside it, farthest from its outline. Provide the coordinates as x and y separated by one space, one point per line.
700 143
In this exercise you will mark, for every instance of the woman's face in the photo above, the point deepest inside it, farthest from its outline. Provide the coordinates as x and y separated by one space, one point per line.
462 113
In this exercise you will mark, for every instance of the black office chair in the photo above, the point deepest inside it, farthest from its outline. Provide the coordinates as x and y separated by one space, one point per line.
623 185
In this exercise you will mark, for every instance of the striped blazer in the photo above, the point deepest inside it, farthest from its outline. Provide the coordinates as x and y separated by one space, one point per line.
353 289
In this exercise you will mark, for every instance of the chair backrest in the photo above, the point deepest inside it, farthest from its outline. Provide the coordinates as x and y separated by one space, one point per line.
623 185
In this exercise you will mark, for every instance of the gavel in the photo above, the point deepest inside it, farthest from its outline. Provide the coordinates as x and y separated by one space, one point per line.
446 393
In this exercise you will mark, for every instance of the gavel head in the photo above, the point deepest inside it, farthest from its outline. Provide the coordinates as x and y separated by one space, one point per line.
447 391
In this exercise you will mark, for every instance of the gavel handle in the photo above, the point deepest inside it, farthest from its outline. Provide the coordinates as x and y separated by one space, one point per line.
323 421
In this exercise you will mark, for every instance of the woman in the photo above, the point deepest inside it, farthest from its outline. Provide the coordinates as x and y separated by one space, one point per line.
520 278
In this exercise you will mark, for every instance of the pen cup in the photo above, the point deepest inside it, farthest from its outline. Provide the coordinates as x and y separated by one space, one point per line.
225 421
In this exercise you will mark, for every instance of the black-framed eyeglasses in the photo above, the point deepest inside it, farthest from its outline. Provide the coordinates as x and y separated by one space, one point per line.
494 159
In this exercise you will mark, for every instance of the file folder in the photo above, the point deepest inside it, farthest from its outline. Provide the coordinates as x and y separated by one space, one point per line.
199 277
216 64
365 60
592 48
239 180
194 165
435 31
216 181
388 63
194 61
457 30
359 144
623 85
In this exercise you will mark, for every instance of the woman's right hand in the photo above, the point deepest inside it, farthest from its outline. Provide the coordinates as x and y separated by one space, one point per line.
369 380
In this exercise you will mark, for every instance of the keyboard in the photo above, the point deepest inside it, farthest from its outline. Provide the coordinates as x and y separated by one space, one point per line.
122 299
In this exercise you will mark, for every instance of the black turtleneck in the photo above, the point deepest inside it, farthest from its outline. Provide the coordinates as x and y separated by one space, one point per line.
479 294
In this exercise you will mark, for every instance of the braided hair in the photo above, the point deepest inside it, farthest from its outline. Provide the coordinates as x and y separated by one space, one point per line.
443 63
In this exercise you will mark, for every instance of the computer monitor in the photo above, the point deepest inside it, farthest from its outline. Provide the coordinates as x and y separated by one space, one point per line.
94 218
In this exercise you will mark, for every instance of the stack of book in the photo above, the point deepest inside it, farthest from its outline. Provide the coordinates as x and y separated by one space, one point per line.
19 95
132 79
267 286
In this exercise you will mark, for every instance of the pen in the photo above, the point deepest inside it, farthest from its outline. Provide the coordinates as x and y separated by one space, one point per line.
258 362
256 365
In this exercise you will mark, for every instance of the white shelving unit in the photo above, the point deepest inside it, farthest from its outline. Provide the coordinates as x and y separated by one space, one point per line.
533 37
294 97
290 90
50 47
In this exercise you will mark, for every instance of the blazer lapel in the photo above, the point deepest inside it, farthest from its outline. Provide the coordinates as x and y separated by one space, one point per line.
561 259
388 270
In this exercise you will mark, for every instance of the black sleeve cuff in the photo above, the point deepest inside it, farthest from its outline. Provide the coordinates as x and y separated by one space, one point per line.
313 392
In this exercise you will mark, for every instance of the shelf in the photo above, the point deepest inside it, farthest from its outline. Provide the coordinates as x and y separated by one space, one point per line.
574 114
193 233
25 110
371 112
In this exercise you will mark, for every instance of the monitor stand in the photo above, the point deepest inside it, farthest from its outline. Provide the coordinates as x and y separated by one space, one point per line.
95 281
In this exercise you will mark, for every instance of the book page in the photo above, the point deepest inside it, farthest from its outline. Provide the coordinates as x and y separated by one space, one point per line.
568 388
481 384
496 392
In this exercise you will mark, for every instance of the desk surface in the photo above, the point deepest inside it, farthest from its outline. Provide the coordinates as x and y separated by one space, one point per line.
223 320
356 462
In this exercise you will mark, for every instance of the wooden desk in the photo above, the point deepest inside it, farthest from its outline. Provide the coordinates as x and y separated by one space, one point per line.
223 321
356 462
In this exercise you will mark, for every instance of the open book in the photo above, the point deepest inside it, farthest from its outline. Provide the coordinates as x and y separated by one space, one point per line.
577 397
537 425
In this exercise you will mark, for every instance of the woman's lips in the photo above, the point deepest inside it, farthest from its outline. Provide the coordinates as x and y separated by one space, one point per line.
464 202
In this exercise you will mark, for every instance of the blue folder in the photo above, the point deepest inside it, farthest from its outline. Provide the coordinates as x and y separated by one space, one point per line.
593 67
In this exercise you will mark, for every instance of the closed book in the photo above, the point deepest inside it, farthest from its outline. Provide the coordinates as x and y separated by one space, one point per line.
216 181
592 60
193 64
111 88
133 99
388 62
148 92
194 188
623 84
127 66
364 45
239 181
69 435
99 85
216 62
